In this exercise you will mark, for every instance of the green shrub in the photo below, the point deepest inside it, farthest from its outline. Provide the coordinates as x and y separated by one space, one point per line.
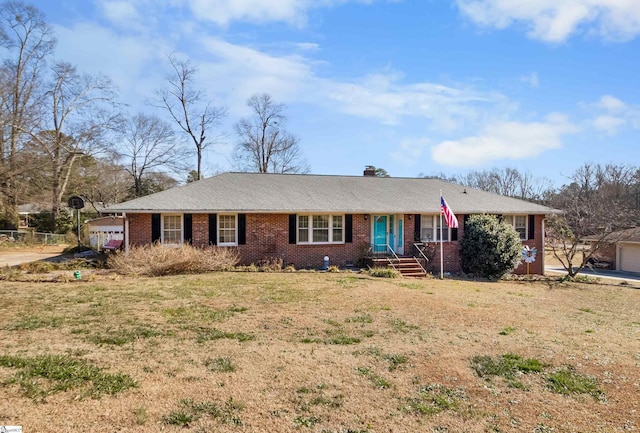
489 248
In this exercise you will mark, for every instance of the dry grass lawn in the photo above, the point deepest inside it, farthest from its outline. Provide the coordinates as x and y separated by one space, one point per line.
309 352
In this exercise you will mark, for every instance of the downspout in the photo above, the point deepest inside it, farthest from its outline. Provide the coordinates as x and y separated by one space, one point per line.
126 233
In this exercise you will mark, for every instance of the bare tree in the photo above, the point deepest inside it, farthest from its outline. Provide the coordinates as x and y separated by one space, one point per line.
265 146
186 107
81 113
29 42
149 145
599 201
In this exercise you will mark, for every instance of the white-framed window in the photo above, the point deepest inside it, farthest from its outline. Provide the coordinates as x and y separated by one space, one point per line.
430 229
171 229
320 229
519 222
227 230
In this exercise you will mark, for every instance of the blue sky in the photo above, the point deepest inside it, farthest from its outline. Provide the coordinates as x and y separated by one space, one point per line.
413 86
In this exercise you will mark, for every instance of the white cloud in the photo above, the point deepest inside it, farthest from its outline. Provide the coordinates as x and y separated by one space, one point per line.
294 12
611 103
504 140
557 20
384 97
119 12
611 114
609 124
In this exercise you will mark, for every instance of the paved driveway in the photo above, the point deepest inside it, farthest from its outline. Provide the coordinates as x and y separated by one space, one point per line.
633 278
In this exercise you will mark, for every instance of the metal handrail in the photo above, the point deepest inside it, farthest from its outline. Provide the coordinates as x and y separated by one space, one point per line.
394 255
422 254
420 251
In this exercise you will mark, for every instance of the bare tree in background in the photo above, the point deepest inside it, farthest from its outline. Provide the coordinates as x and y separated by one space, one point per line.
81 112
186 107
149 145
265 146
29 42
599 201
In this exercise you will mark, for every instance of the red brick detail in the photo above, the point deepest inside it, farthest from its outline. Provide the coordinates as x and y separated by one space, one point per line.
267 237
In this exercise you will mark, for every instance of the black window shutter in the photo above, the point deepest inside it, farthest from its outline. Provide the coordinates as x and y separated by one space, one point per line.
292 228
213 229
242 229
155 227
416 229
532 226
348 228
454 234
188 228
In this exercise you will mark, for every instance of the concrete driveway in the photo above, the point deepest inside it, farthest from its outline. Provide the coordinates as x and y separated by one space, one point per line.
632 278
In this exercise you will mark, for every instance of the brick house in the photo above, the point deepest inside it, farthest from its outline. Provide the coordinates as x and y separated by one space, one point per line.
303 218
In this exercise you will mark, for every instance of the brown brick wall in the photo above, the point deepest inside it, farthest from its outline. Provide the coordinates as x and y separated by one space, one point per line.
139 229
267 237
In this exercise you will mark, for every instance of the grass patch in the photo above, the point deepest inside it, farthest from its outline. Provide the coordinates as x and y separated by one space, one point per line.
400 325
506 331
190 411
220 365
48 374
122 336
210 334
31 322
433 399
377 380
395 360
200 313
568 382
505 366
363 318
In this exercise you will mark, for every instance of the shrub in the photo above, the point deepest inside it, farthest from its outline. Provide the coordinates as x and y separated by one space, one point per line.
489 247
156 260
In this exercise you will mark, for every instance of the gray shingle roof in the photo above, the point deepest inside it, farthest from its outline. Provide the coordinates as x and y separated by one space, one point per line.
291 193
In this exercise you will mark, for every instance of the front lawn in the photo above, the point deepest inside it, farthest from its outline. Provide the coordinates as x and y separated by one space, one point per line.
318 352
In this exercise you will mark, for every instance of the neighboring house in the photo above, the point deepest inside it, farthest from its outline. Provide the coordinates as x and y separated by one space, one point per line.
303 218
102 230
620 248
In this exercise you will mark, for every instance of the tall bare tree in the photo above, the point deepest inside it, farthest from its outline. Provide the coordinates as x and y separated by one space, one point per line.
81 111
265 146
187 108
149 145
29 42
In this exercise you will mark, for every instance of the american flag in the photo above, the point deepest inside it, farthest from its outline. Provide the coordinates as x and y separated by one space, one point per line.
449 216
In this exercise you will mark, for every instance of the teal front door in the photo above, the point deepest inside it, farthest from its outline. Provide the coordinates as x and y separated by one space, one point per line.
379 234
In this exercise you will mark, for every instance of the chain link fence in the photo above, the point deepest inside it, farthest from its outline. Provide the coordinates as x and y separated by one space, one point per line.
28 237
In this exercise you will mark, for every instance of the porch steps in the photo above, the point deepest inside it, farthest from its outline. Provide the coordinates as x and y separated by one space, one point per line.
407 266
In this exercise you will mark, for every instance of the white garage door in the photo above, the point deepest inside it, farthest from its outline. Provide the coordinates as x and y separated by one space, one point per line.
630 258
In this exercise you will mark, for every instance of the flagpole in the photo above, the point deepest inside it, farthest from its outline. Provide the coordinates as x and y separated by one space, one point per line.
441 247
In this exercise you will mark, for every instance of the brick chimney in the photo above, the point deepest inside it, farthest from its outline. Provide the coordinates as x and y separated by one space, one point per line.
369 170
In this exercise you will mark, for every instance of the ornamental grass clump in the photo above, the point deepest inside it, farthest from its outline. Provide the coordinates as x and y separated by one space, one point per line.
156 260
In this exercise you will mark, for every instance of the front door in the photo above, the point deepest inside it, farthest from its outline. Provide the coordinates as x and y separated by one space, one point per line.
379 234
388 231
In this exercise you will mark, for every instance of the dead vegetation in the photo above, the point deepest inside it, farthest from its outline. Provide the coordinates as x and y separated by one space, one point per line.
318 352
153 260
